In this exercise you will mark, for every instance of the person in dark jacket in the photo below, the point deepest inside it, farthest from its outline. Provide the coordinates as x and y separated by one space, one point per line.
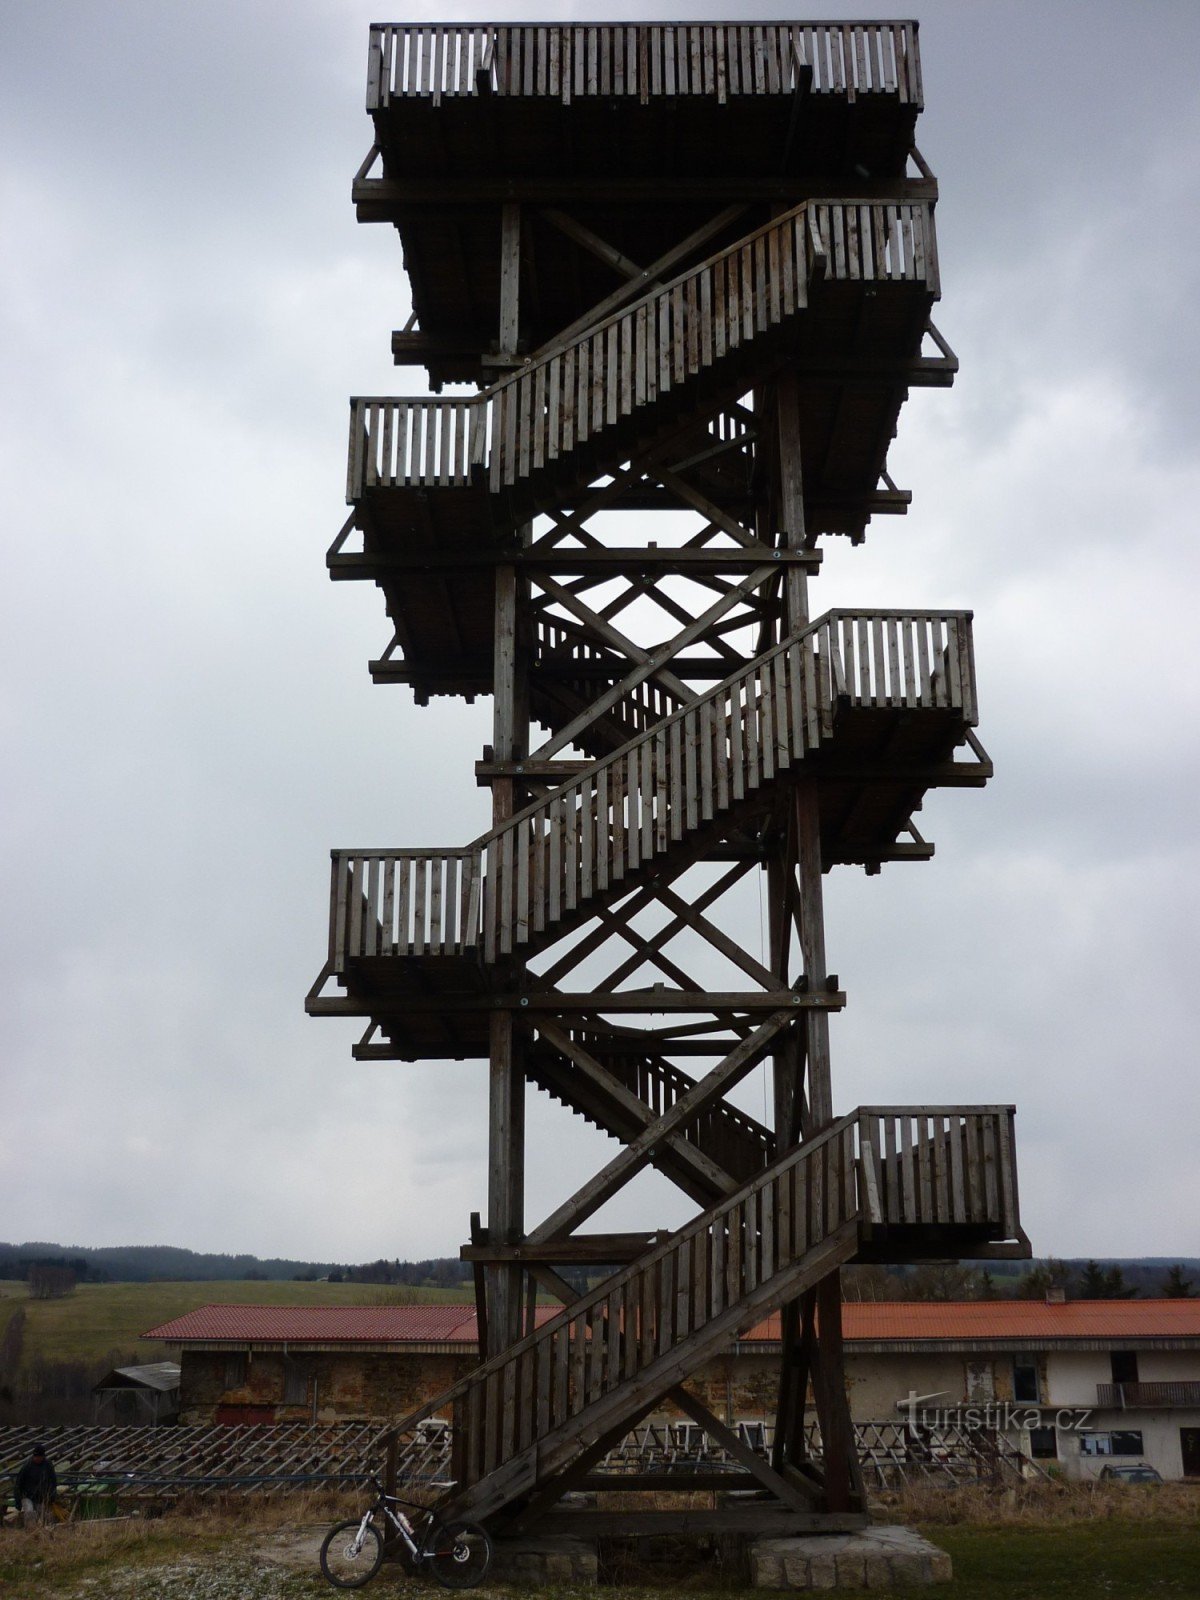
35 1487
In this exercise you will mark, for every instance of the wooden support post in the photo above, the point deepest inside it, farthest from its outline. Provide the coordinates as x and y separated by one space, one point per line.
506 1121
791 498
506 1180
843 1482
391 1464
798 1334
510 277
788 1057
812 943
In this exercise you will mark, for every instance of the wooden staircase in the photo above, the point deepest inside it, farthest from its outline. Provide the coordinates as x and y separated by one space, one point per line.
577 408
562 1395
623 1091
523 884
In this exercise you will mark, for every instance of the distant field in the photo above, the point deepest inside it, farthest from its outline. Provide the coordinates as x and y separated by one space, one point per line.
102 1317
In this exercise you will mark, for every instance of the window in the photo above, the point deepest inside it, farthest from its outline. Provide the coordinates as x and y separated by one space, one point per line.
754 1434
1110 1444
295 1382
1025 1380
1124 1366
1043 1444
1126 1444
235 1370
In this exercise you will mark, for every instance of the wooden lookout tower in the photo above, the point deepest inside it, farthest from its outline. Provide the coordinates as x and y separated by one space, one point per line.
688 272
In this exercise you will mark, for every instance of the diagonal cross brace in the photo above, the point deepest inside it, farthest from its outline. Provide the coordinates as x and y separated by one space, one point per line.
708 1172
605 1183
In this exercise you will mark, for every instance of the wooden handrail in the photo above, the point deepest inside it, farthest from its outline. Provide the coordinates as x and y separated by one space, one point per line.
643 61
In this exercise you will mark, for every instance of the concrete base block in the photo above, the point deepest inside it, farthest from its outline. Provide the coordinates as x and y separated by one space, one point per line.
552 1559
876 1558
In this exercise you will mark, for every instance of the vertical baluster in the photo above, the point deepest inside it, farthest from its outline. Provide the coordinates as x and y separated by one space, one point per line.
766 704
1007 1172
421 873
976 1190
691 735
941 1169
617 802
733 1256
682 1299
924 1139
753 717
991 1182
908 1134
603 829
863 629
954 1137
706 735
554 864
436 868
925 680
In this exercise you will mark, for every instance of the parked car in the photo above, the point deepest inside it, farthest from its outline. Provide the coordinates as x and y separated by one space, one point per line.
1138 1472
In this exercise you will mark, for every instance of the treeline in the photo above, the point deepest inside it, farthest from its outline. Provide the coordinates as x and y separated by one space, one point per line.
144 1263
1122 1279
49 1275
170 1264
443 1272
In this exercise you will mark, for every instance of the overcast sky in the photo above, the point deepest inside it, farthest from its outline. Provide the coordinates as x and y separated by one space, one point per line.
186 302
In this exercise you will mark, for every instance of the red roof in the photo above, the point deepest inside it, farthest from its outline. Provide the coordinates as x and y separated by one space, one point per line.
884 1320
1009 1319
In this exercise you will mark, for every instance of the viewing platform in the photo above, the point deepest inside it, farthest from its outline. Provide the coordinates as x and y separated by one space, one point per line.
633 133
441 486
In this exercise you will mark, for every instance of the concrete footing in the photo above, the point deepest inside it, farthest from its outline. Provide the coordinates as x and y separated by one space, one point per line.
876 1558
556 1558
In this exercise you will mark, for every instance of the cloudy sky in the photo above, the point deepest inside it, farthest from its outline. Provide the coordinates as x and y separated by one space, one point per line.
188 725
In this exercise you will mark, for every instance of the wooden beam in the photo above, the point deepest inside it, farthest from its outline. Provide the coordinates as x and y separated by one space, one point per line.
603 1249
701 1167
510 278
812 943
506 1179
637 1002
604 1184
377 199
655 271
788 1492
651 664
600 248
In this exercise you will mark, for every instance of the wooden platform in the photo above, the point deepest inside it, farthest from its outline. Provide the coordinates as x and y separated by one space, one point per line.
639 132
441 490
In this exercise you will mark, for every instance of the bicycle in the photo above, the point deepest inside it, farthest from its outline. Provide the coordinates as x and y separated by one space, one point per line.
458 1553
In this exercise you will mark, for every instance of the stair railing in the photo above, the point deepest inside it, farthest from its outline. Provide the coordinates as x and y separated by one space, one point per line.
598 829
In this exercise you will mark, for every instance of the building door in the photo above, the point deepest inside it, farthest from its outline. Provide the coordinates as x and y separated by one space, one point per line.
1124 1366
1189 1448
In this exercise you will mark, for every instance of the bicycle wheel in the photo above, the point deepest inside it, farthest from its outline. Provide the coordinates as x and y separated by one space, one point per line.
346 1562
458 1553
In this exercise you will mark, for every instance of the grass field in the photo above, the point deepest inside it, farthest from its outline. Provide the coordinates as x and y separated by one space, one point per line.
269 1557
102 1317
1120 1560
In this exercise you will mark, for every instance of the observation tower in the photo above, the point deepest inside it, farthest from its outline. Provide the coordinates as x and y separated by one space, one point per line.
688 271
